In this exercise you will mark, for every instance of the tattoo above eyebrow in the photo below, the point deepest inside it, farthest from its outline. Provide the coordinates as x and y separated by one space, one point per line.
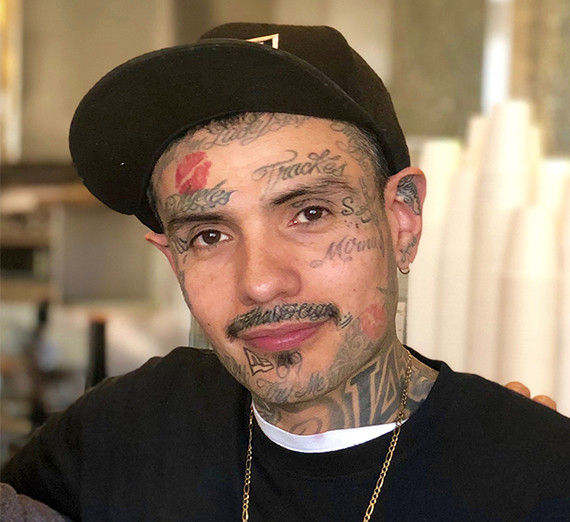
408 191
178 221
321 189
195 206
292 166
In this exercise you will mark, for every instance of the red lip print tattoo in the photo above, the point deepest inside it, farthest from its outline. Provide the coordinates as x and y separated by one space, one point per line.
373 321
192 172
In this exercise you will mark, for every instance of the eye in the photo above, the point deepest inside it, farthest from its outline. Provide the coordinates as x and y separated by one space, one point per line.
208 238
309 215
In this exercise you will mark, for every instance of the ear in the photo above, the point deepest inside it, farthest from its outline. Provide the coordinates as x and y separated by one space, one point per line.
404 198
160 241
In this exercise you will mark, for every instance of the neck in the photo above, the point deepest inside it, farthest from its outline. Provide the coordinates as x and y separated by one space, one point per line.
371 396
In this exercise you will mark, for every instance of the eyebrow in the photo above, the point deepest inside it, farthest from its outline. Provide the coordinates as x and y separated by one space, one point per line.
325 187
178 221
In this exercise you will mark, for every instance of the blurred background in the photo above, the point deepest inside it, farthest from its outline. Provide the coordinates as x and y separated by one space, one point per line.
482 93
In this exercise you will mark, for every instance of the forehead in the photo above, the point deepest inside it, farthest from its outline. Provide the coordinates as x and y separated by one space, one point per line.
274 147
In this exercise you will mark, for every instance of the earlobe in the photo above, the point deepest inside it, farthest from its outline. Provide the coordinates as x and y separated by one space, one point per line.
404 196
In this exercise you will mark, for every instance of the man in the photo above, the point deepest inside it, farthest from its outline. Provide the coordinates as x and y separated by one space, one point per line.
270 167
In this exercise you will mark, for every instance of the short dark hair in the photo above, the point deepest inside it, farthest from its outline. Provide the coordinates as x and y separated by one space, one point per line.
364 146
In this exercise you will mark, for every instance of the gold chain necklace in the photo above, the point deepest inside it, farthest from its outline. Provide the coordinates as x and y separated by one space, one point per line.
383 471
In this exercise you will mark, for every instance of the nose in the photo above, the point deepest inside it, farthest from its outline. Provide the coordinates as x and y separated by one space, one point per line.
266 271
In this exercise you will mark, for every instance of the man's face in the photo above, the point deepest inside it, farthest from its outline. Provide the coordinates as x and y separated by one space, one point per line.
281 244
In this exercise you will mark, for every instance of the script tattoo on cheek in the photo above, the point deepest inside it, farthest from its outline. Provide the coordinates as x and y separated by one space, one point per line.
347 247
408 191
322 163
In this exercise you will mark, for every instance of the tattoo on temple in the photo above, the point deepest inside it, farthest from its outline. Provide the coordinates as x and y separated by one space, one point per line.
283 312
357 146
347 247
363 212
182 283
373 203
405 252
408 191
322 163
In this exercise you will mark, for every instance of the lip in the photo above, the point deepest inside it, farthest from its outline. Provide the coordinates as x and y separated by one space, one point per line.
282 338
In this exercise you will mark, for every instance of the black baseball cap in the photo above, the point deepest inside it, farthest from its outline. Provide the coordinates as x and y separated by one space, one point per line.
127 120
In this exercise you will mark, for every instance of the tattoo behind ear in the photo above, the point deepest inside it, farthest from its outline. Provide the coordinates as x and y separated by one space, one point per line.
408 191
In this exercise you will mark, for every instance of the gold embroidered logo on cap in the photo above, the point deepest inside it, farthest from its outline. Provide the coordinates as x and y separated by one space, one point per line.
270 39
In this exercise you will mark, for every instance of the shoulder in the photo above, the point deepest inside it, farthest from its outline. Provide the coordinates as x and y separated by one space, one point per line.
185 374
501 425
481 413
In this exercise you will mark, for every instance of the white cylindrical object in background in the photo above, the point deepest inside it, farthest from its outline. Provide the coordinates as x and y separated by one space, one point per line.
529 302
456 252
535 161
439 160
554 185
502 187
563 384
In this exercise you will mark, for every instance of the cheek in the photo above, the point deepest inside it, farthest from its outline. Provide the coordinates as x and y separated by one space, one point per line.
373 321
210 294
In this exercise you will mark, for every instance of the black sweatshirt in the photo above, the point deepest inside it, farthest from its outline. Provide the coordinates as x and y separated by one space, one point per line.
167 442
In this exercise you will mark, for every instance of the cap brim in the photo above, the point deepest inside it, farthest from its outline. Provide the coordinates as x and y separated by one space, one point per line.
130 116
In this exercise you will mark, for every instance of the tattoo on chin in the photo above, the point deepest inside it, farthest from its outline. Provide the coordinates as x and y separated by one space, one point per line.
283 364
408 191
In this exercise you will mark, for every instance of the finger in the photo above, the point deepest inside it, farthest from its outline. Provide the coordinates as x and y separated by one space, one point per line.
545 400
518 387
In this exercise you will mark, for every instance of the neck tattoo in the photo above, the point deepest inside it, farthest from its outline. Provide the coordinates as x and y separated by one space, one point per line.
383 471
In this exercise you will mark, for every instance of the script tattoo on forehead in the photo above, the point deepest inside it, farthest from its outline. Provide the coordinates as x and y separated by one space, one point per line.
284 312
247 129
288 168
408 191
347 247
243 130
201 200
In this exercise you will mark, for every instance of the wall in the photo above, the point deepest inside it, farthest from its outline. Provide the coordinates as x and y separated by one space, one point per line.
68 45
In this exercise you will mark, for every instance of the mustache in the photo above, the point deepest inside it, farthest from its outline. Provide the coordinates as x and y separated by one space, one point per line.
283 312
